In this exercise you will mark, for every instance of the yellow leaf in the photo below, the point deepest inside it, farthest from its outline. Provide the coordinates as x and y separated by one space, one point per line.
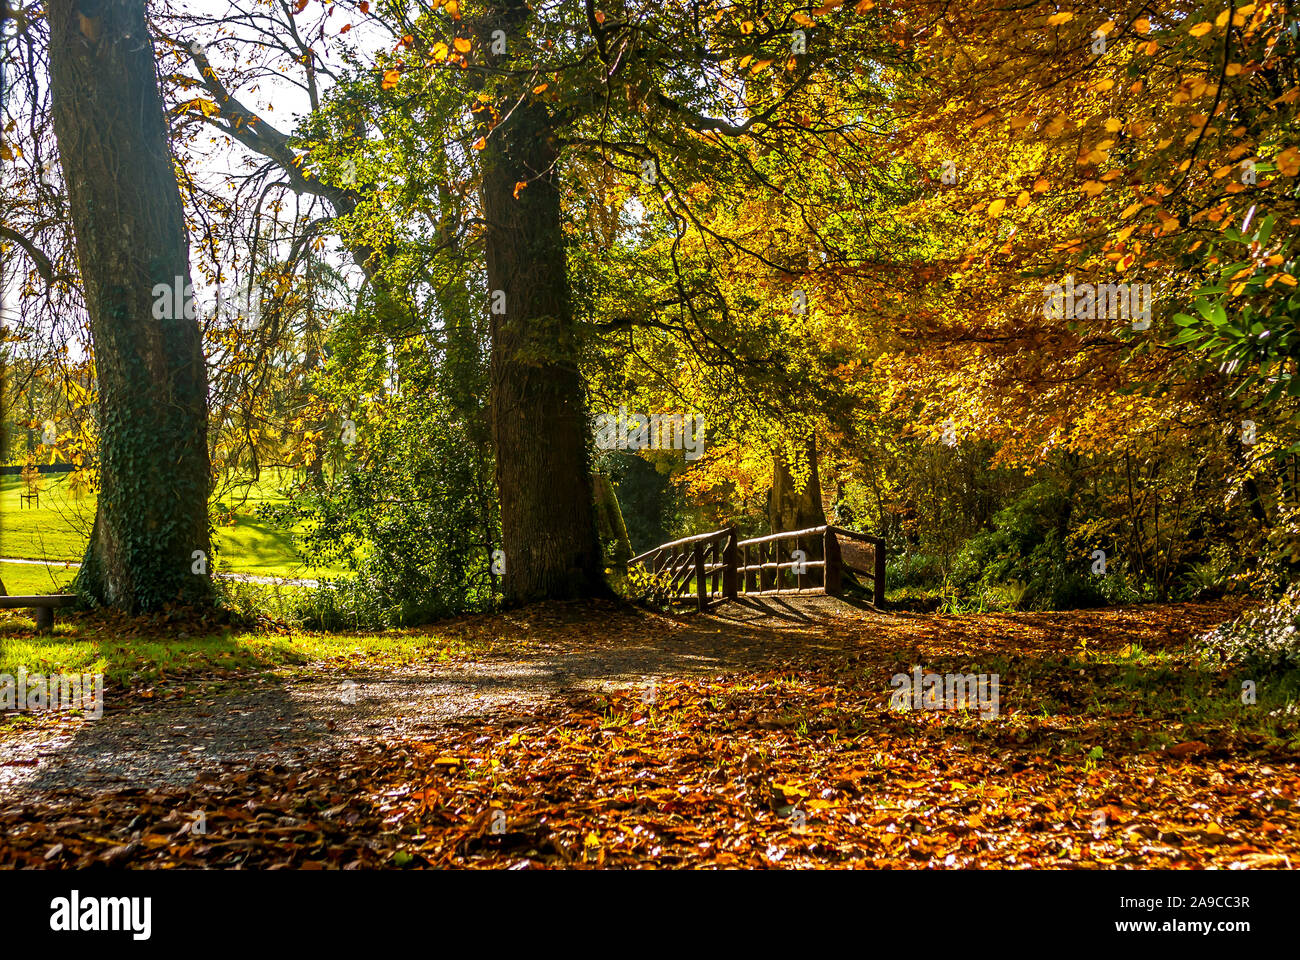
864 5
462 45
1041 185
480 143
802 19
519 185
747 27
759 66
1023 199
1142 25
1288 162
1221 20
540 88
1092 188
1130 210
996 207
390 79
1286 278
440 51
1056 19
205 107
1201 29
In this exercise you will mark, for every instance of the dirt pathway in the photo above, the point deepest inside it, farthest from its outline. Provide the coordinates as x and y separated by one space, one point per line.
324 711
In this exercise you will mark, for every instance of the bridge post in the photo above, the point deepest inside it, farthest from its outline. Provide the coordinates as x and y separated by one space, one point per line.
831 554
729 564
701 582
878 582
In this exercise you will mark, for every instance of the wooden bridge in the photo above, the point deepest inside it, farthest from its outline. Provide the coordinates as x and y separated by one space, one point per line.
718 566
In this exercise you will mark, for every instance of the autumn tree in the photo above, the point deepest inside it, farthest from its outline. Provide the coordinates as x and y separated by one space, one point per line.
149 544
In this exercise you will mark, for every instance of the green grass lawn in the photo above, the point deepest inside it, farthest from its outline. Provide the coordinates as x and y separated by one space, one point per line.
25 579
57 530
78 647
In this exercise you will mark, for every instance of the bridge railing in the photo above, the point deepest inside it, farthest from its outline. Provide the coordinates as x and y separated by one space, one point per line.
702 565
718 566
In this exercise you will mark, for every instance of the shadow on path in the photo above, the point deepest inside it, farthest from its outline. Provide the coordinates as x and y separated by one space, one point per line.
537 654
222 727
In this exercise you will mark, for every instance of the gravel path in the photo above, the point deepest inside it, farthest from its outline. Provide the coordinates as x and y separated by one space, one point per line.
321 712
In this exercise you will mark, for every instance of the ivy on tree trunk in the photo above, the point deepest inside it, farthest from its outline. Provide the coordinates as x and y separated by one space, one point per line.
539 417
150 542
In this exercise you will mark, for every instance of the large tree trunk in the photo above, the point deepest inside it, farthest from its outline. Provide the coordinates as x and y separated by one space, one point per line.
798 507
126 210
792 507
539 420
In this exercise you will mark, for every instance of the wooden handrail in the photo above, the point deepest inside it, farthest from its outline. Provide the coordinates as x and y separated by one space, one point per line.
714 559
680 543
855 535
782 535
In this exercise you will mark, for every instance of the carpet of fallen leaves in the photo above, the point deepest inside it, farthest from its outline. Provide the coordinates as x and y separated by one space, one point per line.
1099 759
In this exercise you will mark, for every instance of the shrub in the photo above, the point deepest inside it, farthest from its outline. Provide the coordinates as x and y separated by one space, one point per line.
411 514
1266 640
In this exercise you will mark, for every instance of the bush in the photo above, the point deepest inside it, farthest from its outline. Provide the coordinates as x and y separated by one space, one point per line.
411 513
912 569
651 589
1025 549
1265 641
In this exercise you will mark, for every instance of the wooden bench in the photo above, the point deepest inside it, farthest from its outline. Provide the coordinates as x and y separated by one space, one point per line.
42 607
